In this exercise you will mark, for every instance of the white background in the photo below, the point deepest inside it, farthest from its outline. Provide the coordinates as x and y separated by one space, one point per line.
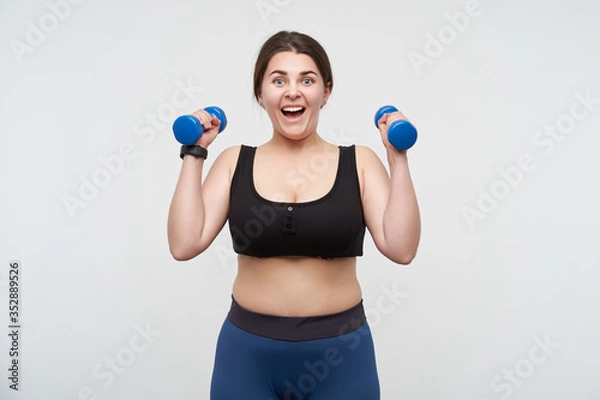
480 293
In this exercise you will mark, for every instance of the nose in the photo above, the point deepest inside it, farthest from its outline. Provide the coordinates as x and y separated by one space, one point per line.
293 92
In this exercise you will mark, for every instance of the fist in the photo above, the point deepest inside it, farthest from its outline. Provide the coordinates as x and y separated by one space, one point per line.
211 125
384 123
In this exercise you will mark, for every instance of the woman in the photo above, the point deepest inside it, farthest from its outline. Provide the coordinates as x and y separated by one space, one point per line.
297 208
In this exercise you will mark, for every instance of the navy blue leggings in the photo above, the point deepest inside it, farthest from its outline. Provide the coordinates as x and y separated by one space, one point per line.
250 366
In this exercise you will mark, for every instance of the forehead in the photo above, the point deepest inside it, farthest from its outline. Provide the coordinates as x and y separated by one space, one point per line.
291 62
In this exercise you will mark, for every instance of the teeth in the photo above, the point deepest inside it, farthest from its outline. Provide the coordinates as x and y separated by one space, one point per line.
293 109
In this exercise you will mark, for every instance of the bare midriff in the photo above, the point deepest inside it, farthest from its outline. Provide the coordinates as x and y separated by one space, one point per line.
296 286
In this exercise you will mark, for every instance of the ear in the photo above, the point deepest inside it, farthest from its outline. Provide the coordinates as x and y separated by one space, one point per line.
260 100
326 95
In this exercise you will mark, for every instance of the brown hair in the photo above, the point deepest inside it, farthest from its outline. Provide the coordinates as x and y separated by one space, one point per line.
298 43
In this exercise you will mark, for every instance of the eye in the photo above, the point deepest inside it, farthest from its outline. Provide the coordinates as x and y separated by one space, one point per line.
307 81
278 81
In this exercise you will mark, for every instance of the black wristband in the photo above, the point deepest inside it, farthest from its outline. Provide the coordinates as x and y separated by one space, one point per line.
194 150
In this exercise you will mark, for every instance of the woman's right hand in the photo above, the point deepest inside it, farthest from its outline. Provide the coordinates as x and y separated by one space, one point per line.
211 126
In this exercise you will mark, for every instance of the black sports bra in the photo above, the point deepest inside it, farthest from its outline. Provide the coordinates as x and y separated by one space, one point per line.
329 227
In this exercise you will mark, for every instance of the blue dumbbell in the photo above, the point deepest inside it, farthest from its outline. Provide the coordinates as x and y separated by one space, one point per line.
401 134
188 129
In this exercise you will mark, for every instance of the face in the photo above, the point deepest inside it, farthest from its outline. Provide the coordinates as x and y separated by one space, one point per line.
292 93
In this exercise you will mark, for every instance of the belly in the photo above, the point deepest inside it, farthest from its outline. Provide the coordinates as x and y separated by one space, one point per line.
296 286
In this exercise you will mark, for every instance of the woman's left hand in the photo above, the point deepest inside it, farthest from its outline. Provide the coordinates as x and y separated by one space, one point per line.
384 124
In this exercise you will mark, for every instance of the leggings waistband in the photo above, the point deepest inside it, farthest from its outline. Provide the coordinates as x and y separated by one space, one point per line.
297 328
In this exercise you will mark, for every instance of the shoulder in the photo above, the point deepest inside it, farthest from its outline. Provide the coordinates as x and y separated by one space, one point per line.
229 154
369 167
227 159
366 157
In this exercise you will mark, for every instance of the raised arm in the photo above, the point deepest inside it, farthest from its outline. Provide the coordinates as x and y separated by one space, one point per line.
198 210
389 201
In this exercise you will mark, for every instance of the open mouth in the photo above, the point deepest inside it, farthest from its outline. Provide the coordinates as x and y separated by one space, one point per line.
293 112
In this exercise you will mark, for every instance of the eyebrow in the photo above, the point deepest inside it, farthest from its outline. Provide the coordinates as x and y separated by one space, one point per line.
279 72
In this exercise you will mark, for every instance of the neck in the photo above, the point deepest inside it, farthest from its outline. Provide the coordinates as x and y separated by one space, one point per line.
295 145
